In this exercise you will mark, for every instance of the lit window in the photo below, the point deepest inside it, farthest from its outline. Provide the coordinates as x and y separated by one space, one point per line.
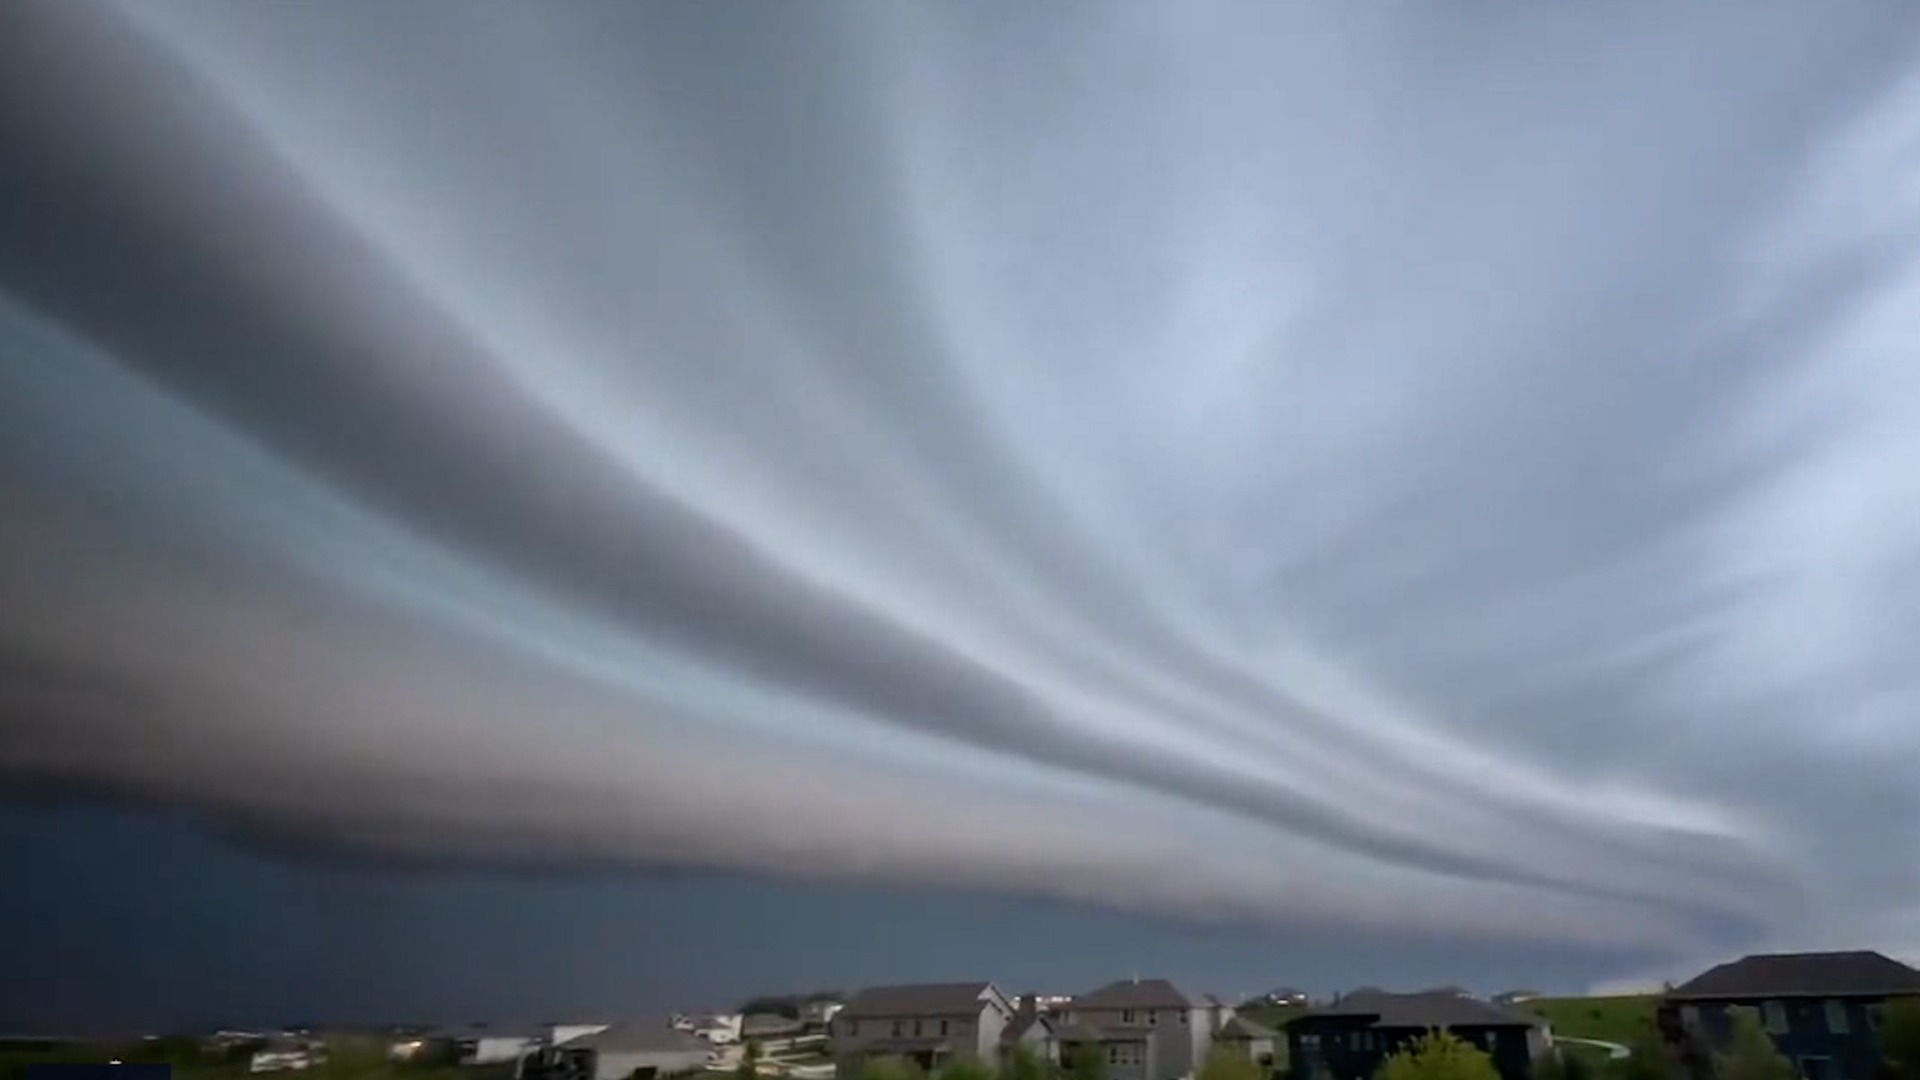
1837 1017
1774 1013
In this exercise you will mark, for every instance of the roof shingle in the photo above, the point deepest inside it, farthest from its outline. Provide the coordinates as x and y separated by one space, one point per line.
1443 1010
920 999
1135 994
1828 974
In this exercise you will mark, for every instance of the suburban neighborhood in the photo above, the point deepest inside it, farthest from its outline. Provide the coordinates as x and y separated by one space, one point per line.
1816 1016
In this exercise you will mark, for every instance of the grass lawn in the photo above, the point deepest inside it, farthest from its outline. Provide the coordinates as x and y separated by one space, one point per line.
1613 1019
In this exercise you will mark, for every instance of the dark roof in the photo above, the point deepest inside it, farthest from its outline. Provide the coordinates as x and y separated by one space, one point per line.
640 1036
1445 1010
1079 1032
1135 994
1828 974
1239 1027
923 999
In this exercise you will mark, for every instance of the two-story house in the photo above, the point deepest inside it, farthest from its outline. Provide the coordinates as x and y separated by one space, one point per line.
1146 1029
1351 1038
1822 1010
928 1024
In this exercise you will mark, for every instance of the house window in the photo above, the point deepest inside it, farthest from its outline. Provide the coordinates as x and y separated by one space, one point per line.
1690 1017
1837 1017
916 1029
853 1027
1875 1013
899 1029
1126 1016
943 1027
1124 1053
1183 1015
1310 1043
1774 1013
1153 1017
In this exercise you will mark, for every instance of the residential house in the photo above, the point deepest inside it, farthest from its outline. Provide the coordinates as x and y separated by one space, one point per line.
764 1026
1218 1011
820 1011
928 1024
562 1033
470 1044
720 1029
1352 1037
640 1050
1823 1010
285 1054
1255 1042
1147 1029
1285 996
1031 1028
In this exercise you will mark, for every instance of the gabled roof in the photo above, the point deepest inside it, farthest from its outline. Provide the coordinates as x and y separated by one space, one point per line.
1239 1027
1819 974
639 1036
920 999
1135 994
1445 1010
1019 1026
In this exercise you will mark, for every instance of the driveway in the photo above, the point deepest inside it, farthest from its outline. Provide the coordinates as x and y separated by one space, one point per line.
1614 1050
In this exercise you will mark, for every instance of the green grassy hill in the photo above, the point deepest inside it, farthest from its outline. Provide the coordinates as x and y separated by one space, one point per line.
1618 1019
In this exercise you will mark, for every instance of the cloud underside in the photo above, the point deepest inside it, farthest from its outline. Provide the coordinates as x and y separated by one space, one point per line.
1279 465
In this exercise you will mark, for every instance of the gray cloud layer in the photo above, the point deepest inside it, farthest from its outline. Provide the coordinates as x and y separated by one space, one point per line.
1398 467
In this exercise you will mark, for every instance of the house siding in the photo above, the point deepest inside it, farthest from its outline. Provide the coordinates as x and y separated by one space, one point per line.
973 1036
1169 1049
619 1065
1854 1054
1353 1048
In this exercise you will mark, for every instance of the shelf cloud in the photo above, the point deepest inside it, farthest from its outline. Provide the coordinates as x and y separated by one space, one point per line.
1381 467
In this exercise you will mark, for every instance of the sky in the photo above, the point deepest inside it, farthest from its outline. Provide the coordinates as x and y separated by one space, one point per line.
509 510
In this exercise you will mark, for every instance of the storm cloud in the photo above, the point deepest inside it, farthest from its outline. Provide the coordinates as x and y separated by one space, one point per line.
1448 466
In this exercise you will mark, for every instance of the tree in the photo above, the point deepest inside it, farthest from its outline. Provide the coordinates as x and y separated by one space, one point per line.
1225 1064
1024 1063
1750 1053
1088 1061
1438 1055
1649 1057
1558 1064
1900 1038
890 1068
966 1069
749 1061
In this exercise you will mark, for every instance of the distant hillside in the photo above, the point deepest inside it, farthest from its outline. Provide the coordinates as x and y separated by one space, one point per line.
1616 1019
